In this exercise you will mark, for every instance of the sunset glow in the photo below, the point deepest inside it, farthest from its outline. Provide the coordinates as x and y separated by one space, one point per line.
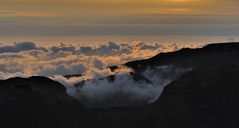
118 18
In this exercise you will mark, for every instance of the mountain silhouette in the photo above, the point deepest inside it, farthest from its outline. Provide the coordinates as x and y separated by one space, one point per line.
205 97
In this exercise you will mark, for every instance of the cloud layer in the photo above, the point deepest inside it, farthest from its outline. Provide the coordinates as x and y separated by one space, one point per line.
92 81
67 59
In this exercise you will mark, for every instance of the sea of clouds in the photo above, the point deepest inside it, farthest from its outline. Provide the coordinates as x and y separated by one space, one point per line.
26 59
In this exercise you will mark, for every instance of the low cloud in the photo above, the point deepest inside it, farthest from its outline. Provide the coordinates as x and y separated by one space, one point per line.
122 87
109 49
18 47
65 59
92 82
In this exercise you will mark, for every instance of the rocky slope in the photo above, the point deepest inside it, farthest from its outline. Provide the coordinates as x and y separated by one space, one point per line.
206 97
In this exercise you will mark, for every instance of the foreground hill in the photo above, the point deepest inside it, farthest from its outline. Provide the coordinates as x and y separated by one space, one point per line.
35 102
206 97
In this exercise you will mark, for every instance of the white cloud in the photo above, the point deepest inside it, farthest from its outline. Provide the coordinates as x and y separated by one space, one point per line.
122 89
19 47
63 47
64 59
26 59
63 69
12 75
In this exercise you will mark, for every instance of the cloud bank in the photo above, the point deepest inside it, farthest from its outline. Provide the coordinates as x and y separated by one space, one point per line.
67 59
93 83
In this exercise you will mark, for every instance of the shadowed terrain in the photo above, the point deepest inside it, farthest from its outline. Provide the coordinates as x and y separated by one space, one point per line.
206 97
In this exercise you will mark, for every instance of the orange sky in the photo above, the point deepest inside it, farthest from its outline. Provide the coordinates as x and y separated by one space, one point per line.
82 18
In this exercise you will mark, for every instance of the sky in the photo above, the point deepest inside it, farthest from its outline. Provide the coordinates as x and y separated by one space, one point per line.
100 19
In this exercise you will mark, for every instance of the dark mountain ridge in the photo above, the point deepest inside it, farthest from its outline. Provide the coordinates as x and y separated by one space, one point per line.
185 54
206 97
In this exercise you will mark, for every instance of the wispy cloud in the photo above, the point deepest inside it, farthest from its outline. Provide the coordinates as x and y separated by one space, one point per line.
112 17
17 13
